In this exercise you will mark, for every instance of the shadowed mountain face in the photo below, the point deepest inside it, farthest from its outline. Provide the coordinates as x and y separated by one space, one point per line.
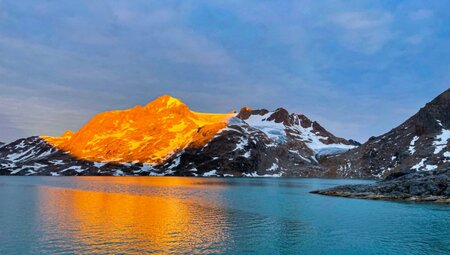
419 144
166 138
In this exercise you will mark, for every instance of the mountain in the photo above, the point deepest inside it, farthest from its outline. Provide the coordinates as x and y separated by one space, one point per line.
262 143
166 138
421 143
146 134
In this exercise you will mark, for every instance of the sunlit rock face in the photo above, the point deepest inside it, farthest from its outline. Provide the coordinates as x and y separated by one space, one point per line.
146 134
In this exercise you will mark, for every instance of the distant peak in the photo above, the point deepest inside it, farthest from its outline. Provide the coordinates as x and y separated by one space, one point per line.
246 112
280 115
167 101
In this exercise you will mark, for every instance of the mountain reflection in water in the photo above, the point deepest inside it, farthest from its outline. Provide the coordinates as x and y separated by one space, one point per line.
163 215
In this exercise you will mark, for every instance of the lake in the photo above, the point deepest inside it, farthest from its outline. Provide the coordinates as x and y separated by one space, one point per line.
160 215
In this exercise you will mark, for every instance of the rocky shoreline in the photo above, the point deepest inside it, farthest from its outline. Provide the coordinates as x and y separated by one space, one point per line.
432 186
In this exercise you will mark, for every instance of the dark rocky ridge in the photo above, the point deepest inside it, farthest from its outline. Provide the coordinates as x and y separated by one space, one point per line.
430 186
412 145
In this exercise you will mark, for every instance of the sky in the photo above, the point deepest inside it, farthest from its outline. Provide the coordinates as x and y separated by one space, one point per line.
359 68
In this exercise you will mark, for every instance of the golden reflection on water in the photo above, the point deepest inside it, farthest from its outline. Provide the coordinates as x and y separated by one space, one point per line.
102 222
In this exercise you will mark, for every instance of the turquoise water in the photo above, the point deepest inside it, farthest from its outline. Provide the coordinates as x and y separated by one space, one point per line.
160 215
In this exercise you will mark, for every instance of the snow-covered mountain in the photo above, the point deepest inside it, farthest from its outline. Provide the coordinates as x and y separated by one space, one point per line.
166 138
261 143
419 144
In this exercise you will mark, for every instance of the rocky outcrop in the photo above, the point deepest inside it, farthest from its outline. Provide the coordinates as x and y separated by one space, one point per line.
430 186
419 144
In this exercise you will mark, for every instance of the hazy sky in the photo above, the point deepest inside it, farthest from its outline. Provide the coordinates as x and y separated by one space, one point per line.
358 67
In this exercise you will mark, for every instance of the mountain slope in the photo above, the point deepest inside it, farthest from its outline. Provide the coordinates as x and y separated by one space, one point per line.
421 143
166 138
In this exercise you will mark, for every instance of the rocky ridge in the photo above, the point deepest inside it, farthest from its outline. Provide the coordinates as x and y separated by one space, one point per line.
425 186
421 143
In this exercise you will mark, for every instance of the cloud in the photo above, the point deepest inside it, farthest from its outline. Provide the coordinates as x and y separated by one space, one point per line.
346 64
364 31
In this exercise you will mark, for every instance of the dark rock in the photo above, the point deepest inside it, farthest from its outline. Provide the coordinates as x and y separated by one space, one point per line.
430 186
354 142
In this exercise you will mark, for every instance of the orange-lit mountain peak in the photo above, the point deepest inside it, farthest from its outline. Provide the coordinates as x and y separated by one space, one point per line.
165 101
146 134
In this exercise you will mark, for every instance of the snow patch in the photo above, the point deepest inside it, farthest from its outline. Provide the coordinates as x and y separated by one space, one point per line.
273 167
254 174
210 173
175 163
247 154
447 154
241 145
441 141
77 169
57 162
99 164
412 148
431 167
147 167
422 166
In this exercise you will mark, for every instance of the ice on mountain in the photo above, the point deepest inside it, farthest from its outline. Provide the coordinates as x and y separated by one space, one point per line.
273 130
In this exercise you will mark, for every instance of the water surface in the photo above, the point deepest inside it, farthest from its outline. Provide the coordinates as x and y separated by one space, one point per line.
160 215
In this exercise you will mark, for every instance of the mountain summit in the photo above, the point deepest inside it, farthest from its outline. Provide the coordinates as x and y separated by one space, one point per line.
147 134
165 137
